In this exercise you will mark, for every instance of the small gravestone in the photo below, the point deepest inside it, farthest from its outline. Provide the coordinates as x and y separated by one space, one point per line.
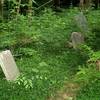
8 65
81 22
77 39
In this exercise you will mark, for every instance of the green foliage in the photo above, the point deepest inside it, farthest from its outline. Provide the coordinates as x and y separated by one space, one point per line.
48 28
94 37
88 71
87 74
27 52
38 44
86 51
25 82
90 91
95 57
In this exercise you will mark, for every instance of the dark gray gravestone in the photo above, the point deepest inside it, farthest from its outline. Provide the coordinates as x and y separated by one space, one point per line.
8 65
81 22
77 39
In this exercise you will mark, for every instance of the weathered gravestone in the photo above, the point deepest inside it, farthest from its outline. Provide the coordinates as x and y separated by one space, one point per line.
81 22
8 65
77 39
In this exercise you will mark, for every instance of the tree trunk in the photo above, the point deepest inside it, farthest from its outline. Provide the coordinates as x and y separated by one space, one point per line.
30 8
97 2
81 4
18 6
88 3
84 4
1 8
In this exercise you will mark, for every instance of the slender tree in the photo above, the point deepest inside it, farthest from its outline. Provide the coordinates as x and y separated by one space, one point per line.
30 7
1 8
97 3
18 2
81 3
84 4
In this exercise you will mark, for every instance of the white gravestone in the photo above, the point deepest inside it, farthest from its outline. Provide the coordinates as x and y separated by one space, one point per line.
8 65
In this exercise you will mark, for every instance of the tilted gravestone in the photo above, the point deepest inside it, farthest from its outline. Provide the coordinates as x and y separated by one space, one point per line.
77 39
81 22
8 65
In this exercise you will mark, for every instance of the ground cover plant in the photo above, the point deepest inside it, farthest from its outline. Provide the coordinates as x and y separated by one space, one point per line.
43 57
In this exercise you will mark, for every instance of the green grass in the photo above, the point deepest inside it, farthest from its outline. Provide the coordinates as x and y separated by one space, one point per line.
45 61
49 71
90 92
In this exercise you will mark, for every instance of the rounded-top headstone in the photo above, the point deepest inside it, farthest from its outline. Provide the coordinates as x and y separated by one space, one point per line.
77 39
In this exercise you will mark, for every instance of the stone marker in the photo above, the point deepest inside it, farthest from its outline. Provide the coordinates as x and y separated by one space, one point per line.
81 22
77 39
8 65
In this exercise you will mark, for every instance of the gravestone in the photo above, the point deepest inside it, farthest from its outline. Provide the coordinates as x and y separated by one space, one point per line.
8 65
77 39
81 22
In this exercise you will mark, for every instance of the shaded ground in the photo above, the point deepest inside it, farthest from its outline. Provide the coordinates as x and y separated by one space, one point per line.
68 92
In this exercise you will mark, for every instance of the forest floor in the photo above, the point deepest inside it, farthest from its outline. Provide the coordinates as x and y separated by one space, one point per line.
46 63
68 92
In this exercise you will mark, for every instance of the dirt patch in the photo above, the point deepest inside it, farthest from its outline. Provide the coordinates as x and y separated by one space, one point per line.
68 92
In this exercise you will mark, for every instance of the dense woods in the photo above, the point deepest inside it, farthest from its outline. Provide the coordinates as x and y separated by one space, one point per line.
21 6
49 49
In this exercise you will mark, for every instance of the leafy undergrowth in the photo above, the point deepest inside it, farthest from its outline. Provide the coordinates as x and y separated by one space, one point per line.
41 53
42 75
90 92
